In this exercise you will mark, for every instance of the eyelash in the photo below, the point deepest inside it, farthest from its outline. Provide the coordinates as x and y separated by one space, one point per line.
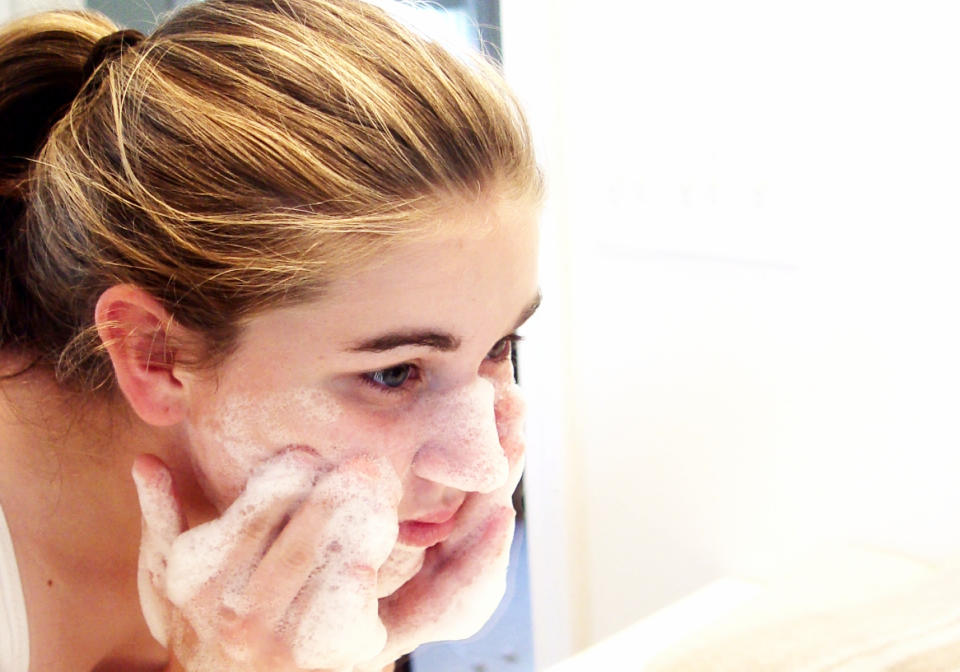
507 343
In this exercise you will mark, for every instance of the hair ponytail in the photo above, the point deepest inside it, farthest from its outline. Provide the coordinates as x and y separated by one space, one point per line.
42 60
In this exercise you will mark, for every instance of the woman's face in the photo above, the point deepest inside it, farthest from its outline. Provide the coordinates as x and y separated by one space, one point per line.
404 359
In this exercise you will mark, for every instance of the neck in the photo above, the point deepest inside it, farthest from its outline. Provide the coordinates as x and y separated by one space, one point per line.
72 510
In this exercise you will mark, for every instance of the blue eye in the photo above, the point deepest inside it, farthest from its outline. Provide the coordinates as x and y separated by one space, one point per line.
391 378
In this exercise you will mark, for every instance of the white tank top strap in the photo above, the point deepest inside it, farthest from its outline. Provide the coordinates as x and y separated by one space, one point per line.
14 633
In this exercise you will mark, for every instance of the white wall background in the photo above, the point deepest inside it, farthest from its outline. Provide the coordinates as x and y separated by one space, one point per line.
749 340
136 13
14 9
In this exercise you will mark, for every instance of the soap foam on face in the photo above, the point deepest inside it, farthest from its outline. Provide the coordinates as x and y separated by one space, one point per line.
242 431
250 426
463 451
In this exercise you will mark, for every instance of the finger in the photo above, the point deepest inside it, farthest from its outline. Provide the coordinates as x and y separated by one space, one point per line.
317 532
510 411
209 565
505 494
162 520
513 416
459 587
335 622
333 619
404 562
291 559
452 596
272 495
162 516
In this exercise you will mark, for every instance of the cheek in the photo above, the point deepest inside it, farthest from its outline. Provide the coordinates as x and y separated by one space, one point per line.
394 435
237 432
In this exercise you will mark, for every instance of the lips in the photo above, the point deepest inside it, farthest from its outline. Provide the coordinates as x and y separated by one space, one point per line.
429 529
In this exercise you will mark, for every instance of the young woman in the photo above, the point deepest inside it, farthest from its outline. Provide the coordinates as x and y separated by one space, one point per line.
260 276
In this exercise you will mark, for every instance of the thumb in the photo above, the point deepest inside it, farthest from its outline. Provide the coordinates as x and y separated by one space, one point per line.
163 521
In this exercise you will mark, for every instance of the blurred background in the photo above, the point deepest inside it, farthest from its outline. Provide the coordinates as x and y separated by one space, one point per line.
748 342
749 347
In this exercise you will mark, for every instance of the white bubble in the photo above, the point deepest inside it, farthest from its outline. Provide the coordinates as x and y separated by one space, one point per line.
463 448
202 554
339 624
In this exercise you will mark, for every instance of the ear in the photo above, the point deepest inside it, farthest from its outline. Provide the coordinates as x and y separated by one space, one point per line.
138 334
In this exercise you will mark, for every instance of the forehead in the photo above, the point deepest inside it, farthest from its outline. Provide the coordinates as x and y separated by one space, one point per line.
474 279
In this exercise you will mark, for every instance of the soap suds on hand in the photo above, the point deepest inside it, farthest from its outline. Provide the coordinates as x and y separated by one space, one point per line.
402 565
337 622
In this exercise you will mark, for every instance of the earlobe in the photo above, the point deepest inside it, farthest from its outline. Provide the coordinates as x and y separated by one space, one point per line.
136 331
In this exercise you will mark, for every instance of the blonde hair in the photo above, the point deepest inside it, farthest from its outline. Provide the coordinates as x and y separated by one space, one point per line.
240 158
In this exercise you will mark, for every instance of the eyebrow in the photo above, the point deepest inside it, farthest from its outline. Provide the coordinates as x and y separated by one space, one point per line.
438 340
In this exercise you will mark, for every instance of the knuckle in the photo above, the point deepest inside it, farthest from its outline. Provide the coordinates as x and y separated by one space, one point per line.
363 574
255 529
297 557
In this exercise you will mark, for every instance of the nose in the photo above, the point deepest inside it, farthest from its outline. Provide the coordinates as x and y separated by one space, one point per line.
460 447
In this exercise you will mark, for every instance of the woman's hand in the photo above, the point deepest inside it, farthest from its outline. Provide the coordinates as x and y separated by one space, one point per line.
284 580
